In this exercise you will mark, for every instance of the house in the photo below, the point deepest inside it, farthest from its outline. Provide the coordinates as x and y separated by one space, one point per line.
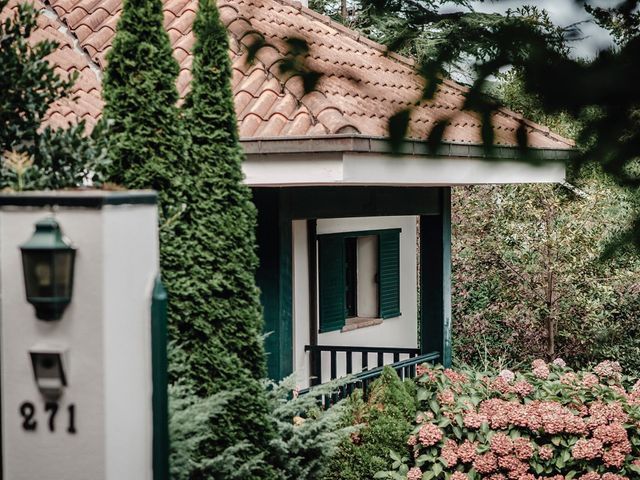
354 243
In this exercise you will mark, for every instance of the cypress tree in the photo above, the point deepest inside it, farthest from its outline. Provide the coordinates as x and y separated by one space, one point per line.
223 214
139 87
222 324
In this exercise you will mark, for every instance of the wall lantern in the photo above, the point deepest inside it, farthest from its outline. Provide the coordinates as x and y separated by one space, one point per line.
47 260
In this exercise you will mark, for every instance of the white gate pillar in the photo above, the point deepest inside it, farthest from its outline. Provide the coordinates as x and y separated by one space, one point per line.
76 392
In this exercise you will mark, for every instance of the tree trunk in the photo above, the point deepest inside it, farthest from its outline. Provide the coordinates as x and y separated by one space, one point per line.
344 11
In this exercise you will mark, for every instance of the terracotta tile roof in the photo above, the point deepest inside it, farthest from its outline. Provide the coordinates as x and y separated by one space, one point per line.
361 88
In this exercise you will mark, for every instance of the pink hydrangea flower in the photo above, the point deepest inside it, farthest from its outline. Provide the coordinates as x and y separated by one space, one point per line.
605 413
507 375
515 467
608 370
523 388
449 453
501 385
522 448
541 371
454 376
414 474
467 451
429 434
612 433
545 453
473 420
424 369
412 441
558 362
538 362
590 476
590 380
613 458
446 397
568 378
587 449
487 463
423 417
500 444
528 476
613 476
459 476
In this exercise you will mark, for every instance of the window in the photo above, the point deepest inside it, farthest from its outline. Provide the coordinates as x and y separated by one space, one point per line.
359 276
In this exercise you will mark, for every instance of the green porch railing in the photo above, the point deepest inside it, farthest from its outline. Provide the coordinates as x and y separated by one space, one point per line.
405 369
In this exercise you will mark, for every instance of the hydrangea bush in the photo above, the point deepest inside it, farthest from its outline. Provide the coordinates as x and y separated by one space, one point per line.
550 423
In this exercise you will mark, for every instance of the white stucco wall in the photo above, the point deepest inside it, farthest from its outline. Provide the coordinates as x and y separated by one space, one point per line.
394 332
106 332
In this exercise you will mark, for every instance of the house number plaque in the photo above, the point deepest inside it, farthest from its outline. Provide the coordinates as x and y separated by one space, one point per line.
30 422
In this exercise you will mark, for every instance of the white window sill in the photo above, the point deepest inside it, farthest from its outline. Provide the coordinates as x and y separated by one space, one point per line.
358 322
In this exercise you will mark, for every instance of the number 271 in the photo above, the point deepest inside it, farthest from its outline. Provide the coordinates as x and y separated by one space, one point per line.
28 413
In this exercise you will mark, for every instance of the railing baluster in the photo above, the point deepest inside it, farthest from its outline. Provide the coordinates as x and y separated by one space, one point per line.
334 375
380 359
349 361
365 360
396 357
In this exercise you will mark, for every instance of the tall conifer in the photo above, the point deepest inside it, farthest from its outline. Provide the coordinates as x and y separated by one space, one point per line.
139 89
224 331
226 214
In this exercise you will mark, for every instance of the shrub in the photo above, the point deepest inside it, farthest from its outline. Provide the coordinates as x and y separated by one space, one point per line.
384 421
34 156
528 278
549 423
308 436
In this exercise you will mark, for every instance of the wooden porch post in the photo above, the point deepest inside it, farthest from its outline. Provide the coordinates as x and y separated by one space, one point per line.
274 277
435 275
314 357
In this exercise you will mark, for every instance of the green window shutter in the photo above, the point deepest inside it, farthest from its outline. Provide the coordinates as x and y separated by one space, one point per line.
331 269
389 273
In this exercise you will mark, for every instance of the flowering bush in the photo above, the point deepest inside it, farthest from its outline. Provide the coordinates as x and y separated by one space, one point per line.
548 424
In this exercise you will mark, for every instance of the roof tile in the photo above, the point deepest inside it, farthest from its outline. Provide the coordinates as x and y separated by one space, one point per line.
361 88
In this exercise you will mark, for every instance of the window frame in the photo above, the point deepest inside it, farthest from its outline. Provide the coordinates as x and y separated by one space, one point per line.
325 325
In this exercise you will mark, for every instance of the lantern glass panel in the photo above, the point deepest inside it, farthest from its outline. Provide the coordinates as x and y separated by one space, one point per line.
49 273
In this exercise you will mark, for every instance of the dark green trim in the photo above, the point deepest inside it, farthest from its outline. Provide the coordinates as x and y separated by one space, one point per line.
91 199
159 398
274 279
331 283
389 266
312 258
341 202
286 290
360 233
435 277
